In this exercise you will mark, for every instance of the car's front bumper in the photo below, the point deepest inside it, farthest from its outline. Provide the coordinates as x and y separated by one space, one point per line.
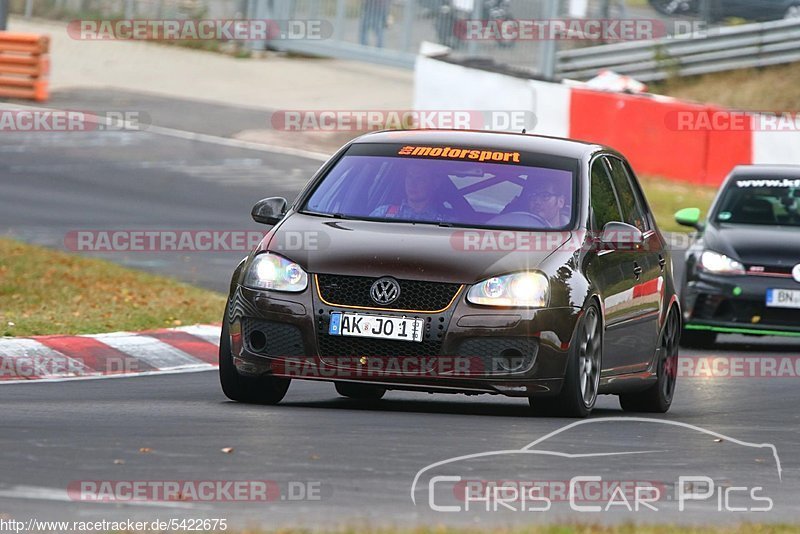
466 348
737 304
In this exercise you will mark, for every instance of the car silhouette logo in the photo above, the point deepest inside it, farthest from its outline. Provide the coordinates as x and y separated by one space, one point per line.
385 291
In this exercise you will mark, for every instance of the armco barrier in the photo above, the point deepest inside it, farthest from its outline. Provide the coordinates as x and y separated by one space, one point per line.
24 65
643 127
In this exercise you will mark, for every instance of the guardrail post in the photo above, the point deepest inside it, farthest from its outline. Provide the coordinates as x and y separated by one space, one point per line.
28 9
129 9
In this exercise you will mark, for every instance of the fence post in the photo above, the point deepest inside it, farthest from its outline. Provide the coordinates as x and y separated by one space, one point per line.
477 14
409 12
341 12
549 47
28 9
3 14
128 9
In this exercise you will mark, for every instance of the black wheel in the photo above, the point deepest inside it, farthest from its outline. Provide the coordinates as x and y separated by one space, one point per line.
658 397
251 389
359 391
582 378
698 339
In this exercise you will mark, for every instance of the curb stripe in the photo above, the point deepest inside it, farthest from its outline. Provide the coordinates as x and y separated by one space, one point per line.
150 350
57 358
188 343
27 358
94 354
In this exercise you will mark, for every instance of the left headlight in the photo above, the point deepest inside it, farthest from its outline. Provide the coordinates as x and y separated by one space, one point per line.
270 271
716 263
519 289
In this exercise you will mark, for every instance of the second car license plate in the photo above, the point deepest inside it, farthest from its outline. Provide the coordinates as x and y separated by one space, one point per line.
783 298
380 326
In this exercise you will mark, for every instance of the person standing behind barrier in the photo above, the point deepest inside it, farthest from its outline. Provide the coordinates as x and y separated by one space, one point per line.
373 19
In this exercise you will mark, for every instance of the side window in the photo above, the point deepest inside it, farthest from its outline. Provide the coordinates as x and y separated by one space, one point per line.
632 211
604 201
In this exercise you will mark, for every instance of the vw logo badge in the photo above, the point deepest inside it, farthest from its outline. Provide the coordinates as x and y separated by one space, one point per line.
385 290
796 273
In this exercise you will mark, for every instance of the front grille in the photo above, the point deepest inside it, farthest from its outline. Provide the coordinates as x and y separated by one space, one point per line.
414 295
282 340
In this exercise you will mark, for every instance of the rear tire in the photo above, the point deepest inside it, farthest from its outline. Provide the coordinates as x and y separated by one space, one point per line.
359 391
582 378
698 339
249 389
658 397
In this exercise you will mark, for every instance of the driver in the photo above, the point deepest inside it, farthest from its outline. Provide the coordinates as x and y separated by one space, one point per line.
420 202
547 200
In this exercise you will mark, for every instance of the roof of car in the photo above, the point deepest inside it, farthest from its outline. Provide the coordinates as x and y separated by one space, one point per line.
496 140
766 170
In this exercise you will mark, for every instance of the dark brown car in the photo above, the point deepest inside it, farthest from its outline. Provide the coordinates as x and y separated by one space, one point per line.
459 262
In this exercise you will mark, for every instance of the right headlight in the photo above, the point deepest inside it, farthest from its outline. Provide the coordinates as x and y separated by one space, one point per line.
270 271
716 263
527 290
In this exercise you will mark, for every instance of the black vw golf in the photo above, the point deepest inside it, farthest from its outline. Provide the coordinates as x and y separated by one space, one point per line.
459 262
743 269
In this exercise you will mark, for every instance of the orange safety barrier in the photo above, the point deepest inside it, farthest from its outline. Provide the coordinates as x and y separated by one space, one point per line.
24 65
651 132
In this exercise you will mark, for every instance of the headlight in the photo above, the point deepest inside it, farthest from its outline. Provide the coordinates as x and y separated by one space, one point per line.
714 262
270 271
518 289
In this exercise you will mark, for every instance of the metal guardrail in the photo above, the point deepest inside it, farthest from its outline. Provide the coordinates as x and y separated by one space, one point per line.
717 50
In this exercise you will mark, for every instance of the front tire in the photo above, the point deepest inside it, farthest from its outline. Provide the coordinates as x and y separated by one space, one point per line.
249 389
359 391
582 378
658 397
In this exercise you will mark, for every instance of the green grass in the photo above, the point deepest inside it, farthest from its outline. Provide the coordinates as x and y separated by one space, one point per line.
667 196
43 291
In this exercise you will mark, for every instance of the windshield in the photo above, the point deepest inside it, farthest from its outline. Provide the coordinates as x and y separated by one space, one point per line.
754 200
481 188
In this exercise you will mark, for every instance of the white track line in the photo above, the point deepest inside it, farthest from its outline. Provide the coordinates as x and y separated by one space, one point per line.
191 136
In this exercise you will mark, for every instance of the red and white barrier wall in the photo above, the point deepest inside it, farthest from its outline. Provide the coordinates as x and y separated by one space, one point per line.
661 136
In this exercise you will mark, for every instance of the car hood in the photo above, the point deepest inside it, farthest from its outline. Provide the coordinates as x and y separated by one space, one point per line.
777 246
406 250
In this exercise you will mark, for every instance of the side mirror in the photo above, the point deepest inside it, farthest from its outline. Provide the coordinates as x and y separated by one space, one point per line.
269 210
689 217
620 234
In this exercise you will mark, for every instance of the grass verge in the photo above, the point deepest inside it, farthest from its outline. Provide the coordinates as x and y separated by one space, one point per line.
765 89
43 291
666 197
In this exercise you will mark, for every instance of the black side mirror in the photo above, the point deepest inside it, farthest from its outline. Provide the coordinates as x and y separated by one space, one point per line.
620 234
269 210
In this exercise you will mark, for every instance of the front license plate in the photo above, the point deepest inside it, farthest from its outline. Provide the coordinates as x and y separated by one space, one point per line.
380 326
783 298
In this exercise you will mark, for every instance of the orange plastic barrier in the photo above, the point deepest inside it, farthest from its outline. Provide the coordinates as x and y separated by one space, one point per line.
661 137
24 65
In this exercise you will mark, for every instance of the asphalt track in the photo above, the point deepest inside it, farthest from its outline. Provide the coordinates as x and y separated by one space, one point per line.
358 459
